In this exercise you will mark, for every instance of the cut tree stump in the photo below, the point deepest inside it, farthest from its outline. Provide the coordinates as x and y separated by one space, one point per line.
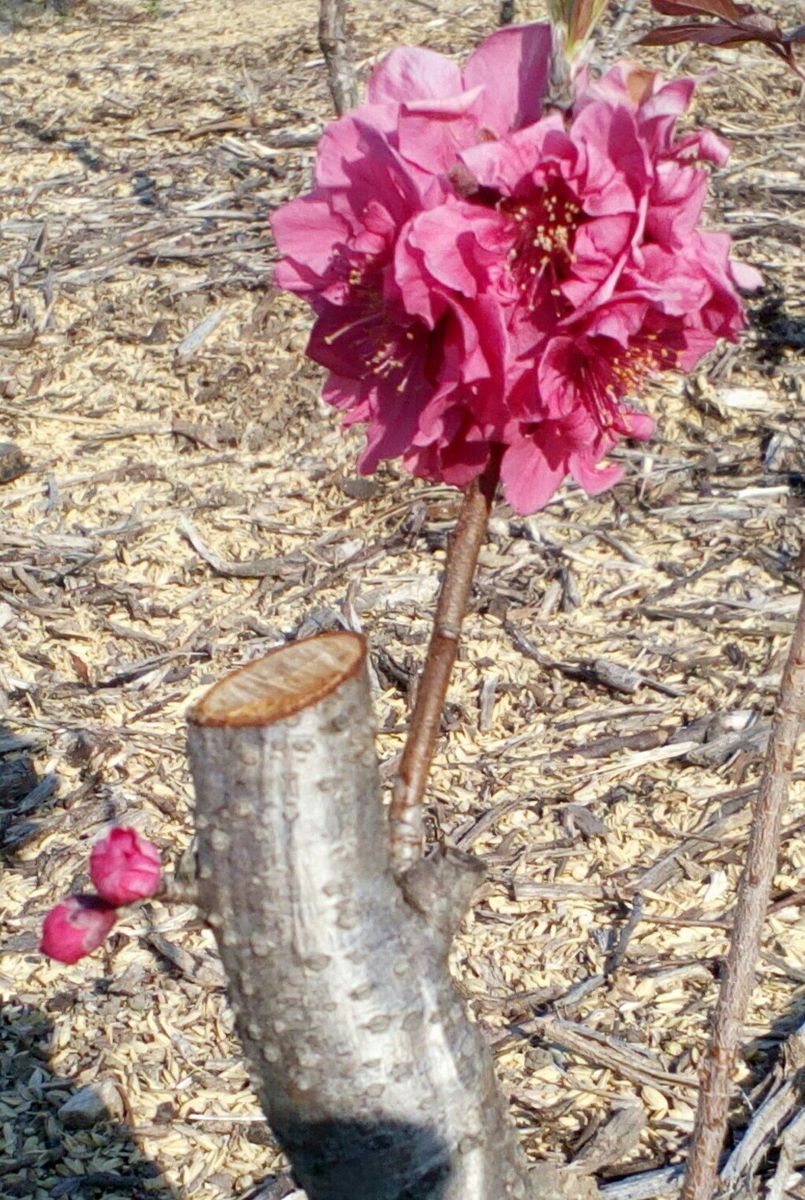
373 1079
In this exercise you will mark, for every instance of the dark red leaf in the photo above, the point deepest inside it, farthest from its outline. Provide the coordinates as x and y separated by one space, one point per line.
725 9
707 35
739 23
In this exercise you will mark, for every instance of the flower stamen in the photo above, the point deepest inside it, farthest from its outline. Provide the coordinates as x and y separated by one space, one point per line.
544 228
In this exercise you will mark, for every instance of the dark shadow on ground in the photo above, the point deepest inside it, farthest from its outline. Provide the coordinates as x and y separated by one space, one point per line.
777 329
374 1160
101 1161
32 800
22 790
769 1065
763 1054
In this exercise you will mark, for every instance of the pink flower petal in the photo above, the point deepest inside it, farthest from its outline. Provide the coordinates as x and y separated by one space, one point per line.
305 231
618 168
512 65
746 277
408 73
529 479
594 477
433 133
445 248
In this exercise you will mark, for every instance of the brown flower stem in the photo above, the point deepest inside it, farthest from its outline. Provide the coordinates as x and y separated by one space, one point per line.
750 914
333 42
406 824
175 891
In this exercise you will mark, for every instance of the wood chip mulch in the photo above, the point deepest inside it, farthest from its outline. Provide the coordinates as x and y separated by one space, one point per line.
177 500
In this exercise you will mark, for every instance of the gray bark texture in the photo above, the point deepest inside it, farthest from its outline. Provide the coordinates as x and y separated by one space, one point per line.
334 43
374 1081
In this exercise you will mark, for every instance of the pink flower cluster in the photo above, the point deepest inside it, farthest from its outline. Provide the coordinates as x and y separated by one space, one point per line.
489 281
124 867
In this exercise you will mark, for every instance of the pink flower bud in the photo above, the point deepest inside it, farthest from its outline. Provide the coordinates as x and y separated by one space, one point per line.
76 927
125 867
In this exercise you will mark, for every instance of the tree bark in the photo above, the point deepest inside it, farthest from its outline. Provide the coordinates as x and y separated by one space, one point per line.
374 1081
333 44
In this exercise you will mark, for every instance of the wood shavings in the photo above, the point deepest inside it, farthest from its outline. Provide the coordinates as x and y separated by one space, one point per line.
143 155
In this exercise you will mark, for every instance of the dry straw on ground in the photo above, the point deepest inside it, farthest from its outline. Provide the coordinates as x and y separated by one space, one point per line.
189 504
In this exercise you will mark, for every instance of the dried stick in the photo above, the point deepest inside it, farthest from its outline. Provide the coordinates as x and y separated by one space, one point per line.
333 43
625 14
772 1117
406 825
750 913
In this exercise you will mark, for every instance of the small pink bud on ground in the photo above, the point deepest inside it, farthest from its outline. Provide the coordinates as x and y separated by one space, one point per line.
125 867
76 927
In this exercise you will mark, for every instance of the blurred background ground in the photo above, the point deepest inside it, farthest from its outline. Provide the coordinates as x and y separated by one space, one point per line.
156 384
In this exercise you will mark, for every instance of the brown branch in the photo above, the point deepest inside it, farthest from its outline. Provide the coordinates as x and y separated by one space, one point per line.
406 826
750 914
333 43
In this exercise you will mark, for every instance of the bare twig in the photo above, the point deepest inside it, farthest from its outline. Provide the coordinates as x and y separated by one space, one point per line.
406 826
645 1185
614 676
750 913
613 1142
600 1048
790 1150
257 568
333 43
624 16
777 1123
616 957
771 1122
